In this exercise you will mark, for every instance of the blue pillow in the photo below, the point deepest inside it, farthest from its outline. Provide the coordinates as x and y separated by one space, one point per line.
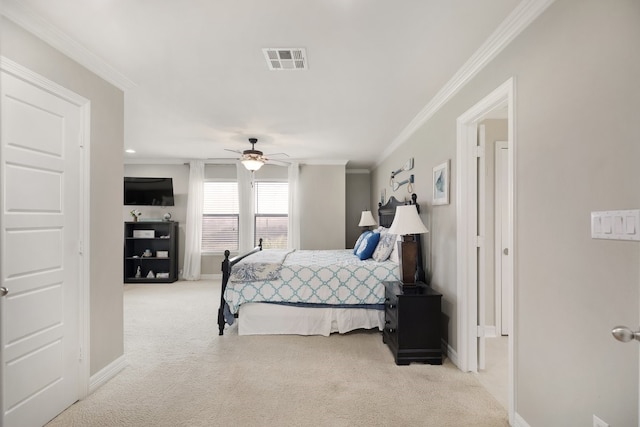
368 245
360 239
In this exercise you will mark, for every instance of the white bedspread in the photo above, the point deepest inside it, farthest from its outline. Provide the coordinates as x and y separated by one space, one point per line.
263 265
327 277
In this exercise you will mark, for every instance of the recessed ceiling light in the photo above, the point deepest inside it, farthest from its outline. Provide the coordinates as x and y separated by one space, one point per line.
129 150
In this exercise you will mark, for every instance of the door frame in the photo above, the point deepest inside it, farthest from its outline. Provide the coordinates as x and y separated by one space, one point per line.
499 145
84 167
467 233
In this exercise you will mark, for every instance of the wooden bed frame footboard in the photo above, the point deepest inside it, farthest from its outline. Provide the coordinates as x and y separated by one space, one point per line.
226 273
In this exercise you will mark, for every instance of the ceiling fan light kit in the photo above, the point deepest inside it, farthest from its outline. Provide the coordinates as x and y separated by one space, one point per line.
253 159
252 163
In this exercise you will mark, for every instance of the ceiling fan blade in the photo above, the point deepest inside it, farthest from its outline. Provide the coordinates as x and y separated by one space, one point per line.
278 162
233 151
277 154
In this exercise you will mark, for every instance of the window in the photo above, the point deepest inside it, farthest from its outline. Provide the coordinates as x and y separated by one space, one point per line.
271 213
220 216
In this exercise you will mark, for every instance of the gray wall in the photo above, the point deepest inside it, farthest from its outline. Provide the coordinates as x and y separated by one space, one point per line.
107 136
358 199
322 206
577 102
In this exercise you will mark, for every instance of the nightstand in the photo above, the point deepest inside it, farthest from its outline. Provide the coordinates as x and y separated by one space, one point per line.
412 323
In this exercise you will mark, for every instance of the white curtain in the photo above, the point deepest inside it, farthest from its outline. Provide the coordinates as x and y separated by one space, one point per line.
193 239
246 209
294 207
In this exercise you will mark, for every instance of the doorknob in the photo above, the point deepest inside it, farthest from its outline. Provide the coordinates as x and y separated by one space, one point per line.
3 291
624 334
505 251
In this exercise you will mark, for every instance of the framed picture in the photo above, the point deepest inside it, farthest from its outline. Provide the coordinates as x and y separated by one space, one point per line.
441 184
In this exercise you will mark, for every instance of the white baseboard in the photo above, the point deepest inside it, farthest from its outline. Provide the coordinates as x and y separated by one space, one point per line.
451 353
105 374
520 422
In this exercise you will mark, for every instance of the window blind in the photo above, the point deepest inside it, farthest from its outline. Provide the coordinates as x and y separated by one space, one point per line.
271 213
220 216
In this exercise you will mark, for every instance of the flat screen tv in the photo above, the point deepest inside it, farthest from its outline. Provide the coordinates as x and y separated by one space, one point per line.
148 191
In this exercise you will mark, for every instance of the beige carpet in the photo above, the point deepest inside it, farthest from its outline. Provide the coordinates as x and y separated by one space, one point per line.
181 373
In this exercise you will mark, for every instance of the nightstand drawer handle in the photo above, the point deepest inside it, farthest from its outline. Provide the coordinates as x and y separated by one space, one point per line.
391 305
391 330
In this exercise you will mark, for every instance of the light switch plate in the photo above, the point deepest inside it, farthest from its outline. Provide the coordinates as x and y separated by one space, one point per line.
616 225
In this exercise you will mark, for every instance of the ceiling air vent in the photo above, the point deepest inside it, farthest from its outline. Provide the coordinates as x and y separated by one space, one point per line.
286 58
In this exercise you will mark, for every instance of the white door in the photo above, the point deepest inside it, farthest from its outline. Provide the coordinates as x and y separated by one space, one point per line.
503 275
40 263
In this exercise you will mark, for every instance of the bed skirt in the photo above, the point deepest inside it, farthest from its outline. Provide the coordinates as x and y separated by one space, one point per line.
275 319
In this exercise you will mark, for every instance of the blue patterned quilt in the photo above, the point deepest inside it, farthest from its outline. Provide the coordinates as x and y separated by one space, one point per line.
327 277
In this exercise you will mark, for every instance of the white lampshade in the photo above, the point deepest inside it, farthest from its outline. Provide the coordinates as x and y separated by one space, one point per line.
252 164
366 219
407 221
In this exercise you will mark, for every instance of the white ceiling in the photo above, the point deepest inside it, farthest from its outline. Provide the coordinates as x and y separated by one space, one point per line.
198 82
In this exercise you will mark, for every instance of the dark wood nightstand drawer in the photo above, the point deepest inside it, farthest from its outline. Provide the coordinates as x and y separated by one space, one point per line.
412 323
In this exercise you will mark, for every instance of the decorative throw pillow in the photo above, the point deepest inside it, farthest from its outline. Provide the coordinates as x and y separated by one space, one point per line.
368 245
359 241
385 246
394 253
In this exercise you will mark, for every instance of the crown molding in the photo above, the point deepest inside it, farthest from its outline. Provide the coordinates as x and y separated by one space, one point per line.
27 19
519 19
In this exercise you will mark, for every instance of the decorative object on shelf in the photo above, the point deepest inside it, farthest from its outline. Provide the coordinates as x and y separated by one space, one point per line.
135 214
138 273
366 220
441 184
162 275
146 253
167 216
408 181
144 234
406 167
151 275
162 254
406 223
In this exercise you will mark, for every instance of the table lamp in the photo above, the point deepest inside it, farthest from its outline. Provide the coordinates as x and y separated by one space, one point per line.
406 223
366 220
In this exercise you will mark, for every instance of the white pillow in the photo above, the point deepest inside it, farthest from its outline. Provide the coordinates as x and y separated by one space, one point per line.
385 246
394 252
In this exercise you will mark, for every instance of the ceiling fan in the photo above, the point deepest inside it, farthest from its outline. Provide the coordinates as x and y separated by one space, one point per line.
254 159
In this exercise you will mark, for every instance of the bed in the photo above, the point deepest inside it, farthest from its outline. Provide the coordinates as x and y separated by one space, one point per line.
310 292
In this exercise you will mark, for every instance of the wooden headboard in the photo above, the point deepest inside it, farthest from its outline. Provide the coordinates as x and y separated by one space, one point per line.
387 212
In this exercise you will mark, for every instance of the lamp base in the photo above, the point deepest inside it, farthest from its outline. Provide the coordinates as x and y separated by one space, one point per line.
408 255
